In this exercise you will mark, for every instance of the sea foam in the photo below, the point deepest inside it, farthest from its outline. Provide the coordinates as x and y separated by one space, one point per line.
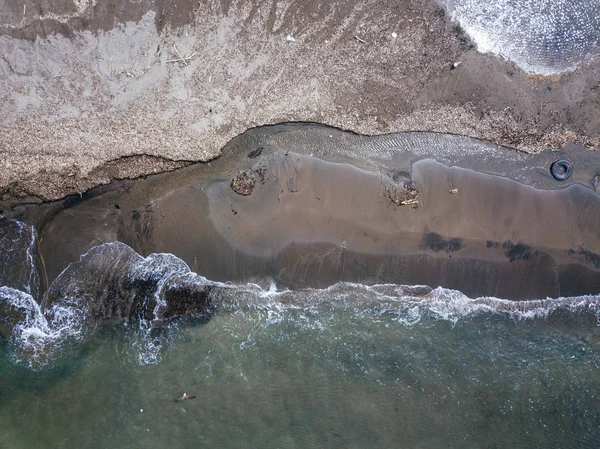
540 36
112 284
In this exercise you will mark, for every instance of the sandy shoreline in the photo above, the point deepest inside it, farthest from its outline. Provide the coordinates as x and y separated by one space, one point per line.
319 206
91 93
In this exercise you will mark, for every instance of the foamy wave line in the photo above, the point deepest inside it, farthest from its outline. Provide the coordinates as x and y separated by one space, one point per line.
38 335
35 339
409 303
540 36
452 305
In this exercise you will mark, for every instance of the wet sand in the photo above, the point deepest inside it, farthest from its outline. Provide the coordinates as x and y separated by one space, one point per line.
313 219
94 92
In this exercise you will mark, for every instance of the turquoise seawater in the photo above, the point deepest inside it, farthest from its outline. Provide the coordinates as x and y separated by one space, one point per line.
345 367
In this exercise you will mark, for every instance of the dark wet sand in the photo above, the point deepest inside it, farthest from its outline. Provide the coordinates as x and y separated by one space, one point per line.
312 221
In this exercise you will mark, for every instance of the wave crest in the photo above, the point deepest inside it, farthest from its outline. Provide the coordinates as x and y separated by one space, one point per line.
112 284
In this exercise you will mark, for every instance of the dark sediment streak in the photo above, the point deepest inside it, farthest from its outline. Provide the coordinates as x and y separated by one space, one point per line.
326 206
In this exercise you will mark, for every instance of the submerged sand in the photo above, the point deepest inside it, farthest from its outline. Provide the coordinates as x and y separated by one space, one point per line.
91 92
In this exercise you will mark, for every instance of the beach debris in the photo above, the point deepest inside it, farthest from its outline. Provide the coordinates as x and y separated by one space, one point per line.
290 38
280 195
344 244
261 171
182 58
360 40
185 397
561 170
291 185
453 191
243 183
455 65
394 35
404 194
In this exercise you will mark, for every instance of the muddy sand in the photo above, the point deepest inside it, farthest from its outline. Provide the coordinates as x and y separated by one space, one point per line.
101 90
309 206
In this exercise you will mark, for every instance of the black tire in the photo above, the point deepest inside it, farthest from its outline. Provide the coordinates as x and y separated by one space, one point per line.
561 170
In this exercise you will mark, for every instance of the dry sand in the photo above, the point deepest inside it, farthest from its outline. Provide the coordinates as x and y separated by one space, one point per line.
89 92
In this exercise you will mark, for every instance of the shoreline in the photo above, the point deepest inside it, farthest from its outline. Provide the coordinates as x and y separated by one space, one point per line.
310 206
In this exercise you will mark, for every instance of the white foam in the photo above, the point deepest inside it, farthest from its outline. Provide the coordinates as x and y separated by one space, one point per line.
31 254
35 340
22 248
540 36
440 303
40 334
167 269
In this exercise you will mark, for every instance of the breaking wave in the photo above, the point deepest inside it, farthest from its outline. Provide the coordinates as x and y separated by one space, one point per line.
399 304
151 297
34 338
38 337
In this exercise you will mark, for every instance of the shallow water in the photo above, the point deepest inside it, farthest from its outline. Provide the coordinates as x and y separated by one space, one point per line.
349 366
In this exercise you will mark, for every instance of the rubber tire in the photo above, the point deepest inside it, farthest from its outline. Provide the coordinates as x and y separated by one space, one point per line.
557 174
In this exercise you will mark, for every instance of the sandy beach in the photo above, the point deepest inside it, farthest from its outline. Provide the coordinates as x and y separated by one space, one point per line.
91 92
309 206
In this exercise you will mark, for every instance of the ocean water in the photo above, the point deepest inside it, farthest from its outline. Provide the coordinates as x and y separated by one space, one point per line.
382 366
539 36
347 368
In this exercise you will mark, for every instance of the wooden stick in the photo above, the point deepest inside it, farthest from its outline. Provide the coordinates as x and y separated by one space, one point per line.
179 54
181 58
